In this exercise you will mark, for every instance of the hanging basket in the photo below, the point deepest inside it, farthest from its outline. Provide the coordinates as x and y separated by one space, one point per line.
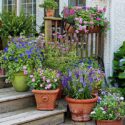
69 28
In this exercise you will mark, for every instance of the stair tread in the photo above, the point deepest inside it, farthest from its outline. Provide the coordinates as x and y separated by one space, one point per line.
26 115
7 94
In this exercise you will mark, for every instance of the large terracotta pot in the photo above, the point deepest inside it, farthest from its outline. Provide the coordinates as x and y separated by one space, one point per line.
50 12
109 122
46 99
19 82
81 109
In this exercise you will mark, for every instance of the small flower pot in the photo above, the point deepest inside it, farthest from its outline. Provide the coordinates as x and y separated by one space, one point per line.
50 12
81 109
19 82
46 99
109 122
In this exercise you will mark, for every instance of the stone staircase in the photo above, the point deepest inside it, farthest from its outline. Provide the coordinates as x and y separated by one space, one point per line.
18 108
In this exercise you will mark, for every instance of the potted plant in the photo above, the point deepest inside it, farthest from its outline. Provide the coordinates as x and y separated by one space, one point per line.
20 58
109 110
87 19
50 6
78 88
45 84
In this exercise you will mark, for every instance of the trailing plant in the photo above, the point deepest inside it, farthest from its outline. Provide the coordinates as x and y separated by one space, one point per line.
49 4
21 54
44 79
109 107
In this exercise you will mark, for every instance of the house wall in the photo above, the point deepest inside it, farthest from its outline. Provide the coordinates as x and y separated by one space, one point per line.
0 6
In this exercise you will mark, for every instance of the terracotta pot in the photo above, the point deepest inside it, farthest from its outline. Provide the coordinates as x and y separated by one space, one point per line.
109 122
50 12
81 109
46 99
69 28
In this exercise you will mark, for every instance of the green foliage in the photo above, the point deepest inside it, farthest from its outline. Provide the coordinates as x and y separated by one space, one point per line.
13 25
46 79
111 107
119 67
60 56
49 4
21 55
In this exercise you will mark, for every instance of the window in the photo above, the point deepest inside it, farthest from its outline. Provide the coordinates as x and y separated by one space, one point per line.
76 2
29 7
9 5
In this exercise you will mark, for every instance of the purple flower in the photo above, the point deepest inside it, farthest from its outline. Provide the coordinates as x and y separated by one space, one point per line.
99 99
6 49
81 79
77 75
64 81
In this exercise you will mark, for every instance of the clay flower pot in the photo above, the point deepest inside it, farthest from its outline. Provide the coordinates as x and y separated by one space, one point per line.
46 99
50 12
81 109
109 122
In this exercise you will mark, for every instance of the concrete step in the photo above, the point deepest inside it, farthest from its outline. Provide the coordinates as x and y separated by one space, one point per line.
10 100
31 116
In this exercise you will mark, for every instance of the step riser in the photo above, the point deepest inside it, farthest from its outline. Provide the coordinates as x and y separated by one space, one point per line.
16 104
51 120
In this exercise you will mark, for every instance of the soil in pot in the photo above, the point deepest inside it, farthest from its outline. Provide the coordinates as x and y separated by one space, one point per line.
81 109
46 99
19 82
109 122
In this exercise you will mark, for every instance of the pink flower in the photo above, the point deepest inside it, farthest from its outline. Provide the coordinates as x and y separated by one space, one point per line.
31 76
48 80
80 20
85 22
44 78
25 72
24 67
80 27
33 79
76 19
60 36
98 19
104 9
49 86
91 22
76 31
85 29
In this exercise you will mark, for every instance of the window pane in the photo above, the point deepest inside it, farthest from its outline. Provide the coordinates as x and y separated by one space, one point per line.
72 2
77 2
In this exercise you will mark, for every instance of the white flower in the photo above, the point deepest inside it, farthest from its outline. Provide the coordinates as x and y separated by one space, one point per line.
93 112
110 115
121 98
104 112
55 80
101 108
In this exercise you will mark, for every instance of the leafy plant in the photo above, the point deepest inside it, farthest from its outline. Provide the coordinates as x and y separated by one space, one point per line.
22 54
49 4
119 67
80 82
110 107
44 79
13 25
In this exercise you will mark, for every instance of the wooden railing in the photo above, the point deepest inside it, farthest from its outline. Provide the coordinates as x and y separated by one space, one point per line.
87 44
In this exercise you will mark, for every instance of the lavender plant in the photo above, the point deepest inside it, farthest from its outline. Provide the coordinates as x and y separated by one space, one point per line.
80 82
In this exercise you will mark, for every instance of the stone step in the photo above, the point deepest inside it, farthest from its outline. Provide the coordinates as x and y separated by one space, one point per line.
3 84
10 100
31 116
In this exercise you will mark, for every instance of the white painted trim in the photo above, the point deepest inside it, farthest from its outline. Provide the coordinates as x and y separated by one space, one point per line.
18 7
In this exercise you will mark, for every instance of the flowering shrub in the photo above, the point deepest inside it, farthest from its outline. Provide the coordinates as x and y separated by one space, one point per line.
80 82
85 17
46 79
110 107
21 55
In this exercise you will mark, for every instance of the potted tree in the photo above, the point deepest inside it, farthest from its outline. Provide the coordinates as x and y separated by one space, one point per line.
78 86
20 58
109 110
45 84
50 6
